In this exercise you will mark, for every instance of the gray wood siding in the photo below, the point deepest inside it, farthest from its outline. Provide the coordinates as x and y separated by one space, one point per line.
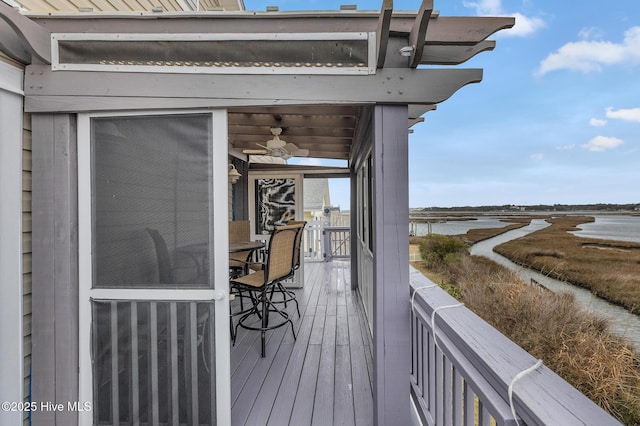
26 254
54 355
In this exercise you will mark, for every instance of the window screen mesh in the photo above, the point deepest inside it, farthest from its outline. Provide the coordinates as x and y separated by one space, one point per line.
153 363
217 53
151 201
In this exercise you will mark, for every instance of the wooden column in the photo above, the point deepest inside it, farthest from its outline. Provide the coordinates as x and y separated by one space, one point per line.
55 267
391 335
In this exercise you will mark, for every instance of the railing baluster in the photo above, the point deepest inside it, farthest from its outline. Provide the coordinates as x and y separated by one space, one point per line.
439 367
135 372
193 353
431 379
469 405
458 407
173 321
448 396
115 391
155 418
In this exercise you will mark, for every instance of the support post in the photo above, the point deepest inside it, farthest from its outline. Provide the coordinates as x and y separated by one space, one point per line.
391 336
55 267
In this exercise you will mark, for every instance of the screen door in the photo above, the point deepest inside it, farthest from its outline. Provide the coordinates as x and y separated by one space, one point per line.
153 300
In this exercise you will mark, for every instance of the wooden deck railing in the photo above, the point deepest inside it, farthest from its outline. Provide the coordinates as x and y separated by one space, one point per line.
337 242
324 243
464 376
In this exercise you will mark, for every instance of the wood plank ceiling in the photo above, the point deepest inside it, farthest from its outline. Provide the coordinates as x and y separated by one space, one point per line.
326 131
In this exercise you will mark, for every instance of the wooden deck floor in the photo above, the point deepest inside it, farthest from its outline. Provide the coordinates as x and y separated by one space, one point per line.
321 378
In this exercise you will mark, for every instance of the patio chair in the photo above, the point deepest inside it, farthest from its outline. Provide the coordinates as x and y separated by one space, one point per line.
168 271
288 295
239 230
276 268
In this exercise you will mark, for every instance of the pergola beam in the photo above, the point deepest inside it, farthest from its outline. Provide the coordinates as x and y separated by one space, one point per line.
382 33
35 39
418 33
388 85
453 54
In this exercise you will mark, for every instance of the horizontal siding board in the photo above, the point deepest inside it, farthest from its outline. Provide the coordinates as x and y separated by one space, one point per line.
26 221
26 181
26 160
26 243
27 262
26 201
26 284
26 304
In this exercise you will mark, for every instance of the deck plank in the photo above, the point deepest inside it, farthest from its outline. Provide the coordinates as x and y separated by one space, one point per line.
321 378
324 401
303 405
344 414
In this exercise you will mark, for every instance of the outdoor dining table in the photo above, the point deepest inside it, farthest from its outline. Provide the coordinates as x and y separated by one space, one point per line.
200 251
238 246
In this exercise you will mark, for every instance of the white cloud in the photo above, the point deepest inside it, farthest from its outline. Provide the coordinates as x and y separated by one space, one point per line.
486 7
632 114
565 147
524 25
537 156
591 33
592 55
596 122
602 143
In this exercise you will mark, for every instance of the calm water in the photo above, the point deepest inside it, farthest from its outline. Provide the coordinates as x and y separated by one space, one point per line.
458 226
622 322
612 227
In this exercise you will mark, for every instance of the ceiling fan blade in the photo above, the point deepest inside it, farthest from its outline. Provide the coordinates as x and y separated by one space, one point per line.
262 146
295 151
300 153
255 151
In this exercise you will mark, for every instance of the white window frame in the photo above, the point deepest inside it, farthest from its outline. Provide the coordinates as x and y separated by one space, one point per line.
368 68
220 263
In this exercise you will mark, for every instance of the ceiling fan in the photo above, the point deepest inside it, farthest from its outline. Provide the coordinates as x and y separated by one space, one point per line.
276 147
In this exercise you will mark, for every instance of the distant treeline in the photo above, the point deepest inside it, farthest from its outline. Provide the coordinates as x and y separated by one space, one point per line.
538 208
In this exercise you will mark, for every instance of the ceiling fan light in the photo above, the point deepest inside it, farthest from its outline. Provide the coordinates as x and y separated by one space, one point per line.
276 142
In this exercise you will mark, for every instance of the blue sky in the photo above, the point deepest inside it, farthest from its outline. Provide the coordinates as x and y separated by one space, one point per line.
556 118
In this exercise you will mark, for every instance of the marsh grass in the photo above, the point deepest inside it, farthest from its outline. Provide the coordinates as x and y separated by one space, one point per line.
609 269
575 344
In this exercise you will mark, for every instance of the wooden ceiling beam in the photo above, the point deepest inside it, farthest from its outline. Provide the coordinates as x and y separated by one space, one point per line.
249 141
288 121
325 132
302 111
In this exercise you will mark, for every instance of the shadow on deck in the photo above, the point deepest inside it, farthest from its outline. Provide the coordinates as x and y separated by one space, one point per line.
323 377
